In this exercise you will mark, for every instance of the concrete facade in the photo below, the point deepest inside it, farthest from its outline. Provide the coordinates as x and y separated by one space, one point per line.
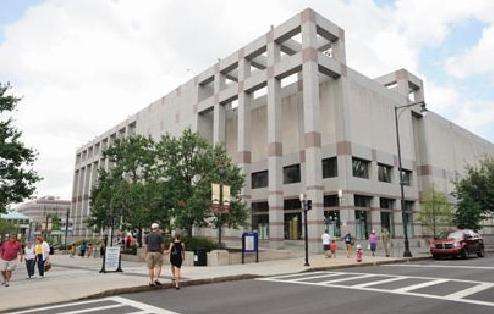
284 103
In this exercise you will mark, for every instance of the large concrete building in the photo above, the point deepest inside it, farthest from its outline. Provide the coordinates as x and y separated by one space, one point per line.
297 120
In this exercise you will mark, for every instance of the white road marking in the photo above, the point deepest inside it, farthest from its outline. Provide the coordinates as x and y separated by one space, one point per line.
44 308
466 292
145 308
141 307
421 285
299 274
440 266
406 291
314 277
378 282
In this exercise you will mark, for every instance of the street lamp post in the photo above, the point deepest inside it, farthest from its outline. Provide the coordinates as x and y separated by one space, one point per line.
404 214
306 206
66 228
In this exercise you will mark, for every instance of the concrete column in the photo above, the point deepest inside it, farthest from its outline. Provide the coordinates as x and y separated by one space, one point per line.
73 206
195 102
85 198
80 200
402 82
244 150
347 214
338 48
275 149
375 215
312 133
398 219
219 115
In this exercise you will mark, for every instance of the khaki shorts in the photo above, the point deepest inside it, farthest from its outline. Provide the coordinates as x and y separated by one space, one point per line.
8 265
154 259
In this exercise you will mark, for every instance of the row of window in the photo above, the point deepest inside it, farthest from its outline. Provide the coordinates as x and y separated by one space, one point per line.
361 228
360 169
334 201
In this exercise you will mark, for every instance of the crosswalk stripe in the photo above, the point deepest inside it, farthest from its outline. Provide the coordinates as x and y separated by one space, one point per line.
295 275
421 285
44 308
406 291
142 306
95 309
466 292
378 282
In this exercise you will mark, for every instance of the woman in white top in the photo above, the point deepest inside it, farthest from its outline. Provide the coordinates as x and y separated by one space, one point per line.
30 259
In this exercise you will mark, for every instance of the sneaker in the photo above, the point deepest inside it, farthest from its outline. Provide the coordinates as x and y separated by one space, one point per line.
152 285
7 285
156 282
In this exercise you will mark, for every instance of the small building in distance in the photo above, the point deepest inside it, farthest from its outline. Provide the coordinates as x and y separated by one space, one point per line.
14 222
48 216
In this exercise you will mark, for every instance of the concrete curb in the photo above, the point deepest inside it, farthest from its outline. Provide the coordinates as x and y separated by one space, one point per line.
366 264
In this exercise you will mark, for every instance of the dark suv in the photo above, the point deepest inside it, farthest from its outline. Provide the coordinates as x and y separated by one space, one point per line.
461 243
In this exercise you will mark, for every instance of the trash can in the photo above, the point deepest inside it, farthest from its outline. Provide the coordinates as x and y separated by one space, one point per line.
52 250
200 257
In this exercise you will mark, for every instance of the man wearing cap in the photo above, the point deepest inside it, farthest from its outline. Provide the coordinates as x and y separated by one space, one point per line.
154 246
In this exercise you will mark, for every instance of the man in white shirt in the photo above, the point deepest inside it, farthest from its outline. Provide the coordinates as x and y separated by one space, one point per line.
326 241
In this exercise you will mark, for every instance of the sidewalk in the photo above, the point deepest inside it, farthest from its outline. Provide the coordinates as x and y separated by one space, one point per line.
76 277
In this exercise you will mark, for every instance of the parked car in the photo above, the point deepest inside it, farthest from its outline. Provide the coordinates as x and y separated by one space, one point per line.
461 243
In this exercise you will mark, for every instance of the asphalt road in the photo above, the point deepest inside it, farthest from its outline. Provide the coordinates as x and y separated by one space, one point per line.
449 286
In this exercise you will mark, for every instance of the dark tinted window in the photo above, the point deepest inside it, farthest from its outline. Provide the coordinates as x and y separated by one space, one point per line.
406 177
385 173
386 202
260 179
292 204
291 174
360 168
331 201
362 201
329 167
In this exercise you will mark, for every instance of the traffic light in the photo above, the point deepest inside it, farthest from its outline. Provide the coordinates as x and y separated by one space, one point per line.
309 204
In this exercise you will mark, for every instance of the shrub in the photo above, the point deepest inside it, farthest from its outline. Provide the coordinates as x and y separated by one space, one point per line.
193 243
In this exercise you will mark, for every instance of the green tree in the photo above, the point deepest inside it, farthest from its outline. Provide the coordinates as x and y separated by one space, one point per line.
436 213
190 164
475 194
17 178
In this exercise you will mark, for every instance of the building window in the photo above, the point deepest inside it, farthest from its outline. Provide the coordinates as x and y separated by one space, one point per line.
360 168
260 219
332 222
329 168
362 201
362 224
291 174
331 201
260 179
387 222
386 203
406 176
385 173
292 204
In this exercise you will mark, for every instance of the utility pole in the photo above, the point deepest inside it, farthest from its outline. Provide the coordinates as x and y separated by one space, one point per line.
66 228
306 206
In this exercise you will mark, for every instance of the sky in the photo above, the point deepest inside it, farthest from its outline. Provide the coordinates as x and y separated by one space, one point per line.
82 66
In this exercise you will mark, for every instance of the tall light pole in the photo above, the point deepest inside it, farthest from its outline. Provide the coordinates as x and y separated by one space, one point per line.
306 206
404 213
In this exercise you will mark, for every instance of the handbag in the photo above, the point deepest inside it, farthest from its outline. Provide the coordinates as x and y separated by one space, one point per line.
47 266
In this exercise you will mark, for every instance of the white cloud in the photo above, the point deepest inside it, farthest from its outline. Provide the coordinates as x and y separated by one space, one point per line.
477 60
83 66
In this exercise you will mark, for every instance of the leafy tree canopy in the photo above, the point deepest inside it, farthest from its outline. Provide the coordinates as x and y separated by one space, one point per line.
436 212
166 180
17 178
475 194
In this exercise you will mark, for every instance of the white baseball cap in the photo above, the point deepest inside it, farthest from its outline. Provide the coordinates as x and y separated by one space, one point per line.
155 226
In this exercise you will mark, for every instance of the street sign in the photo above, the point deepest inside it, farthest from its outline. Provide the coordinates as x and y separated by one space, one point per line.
112 256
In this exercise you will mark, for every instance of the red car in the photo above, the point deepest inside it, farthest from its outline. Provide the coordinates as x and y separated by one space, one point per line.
461 243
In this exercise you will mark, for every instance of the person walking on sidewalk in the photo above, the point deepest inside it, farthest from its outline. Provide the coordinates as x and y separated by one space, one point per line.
30 258
10 254
154 245
333 248
349 243
326 241
42 251
177 255
373 242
